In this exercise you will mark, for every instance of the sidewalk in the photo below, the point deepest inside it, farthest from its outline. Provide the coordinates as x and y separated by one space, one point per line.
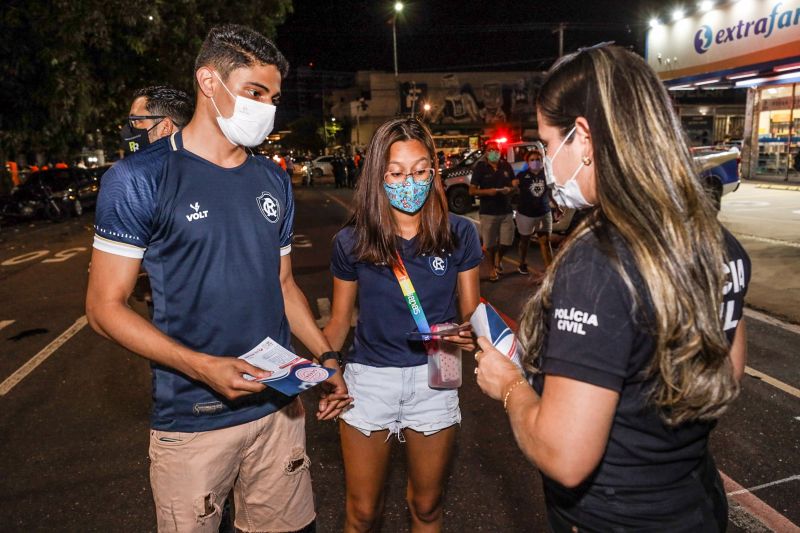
776 181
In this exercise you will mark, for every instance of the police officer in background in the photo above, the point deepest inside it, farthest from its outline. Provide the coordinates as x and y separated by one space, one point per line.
156 111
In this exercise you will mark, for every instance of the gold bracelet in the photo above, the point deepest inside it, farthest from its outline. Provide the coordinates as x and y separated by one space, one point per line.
509 391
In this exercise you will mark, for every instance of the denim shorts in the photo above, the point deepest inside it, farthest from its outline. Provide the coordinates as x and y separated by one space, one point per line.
397 398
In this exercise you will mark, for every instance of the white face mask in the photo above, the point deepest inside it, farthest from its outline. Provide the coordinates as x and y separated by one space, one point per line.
568 195
250 123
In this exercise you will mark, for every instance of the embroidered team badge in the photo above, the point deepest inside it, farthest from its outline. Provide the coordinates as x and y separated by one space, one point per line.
269 207
438 265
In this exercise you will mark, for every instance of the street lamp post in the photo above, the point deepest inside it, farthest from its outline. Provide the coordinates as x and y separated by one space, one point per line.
398 7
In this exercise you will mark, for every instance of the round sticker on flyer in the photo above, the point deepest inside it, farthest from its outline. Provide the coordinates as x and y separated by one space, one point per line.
311 374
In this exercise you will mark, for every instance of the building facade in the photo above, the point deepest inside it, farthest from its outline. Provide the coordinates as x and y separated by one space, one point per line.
753 46
461 108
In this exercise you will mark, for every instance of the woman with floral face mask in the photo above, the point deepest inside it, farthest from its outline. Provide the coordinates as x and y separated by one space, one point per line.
400 230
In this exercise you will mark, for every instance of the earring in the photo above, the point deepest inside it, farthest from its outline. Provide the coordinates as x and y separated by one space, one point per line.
586 160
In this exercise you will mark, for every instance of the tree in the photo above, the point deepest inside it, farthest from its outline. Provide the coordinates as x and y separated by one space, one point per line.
70 68
305 135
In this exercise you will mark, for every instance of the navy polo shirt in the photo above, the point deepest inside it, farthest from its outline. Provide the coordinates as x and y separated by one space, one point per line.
211 240
384 318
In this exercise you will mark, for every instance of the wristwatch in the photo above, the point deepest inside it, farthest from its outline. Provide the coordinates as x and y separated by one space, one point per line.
337 356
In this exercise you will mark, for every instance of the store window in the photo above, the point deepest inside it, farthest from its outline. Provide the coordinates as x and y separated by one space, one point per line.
778 129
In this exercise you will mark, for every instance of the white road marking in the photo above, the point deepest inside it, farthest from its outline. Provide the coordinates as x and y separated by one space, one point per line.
767 240
752 313
40 357
745 203
785 387
301 241
756 507
796 212
765 485
6 323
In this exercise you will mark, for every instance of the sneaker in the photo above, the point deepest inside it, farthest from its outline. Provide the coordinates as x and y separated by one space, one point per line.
499 268
523 269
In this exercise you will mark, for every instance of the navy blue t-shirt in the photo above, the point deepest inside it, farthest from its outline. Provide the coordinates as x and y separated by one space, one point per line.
211 239
595 334
384 318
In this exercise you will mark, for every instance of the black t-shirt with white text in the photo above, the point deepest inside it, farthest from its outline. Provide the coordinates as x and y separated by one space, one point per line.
597 335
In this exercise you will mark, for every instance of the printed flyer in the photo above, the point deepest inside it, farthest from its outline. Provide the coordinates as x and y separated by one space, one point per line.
486 322
291 374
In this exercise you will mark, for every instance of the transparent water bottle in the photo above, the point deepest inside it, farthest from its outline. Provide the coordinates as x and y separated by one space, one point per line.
444 361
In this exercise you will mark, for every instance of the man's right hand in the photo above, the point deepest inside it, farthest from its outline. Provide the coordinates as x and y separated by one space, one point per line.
224 375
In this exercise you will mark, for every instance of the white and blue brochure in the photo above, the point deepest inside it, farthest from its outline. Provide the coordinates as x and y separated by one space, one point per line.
486 322
291 374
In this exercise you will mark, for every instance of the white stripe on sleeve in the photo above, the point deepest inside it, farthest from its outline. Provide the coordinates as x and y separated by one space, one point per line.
118 248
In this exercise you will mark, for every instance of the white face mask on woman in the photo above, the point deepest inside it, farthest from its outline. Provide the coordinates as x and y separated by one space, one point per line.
250 123
568 195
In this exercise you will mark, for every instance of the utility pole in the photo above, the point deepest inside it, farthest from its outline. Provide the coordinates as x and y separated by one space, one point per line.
394 43
560 31
413 98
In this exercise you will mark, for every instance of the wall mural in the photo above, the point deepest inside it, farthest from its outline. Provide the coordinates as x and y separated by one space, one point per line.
490 103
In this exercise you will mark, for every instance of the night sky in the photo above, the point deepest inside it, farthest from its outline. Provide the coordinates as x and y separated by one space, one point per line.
439 35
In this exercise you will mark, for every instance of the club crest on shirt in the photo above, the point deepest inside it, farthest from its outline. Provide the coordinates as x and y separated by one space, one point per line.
269 207
438 265
537 188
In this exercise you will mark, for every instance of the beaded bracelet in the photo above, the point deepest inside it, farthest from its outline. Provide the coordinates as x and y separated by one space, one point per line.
509 391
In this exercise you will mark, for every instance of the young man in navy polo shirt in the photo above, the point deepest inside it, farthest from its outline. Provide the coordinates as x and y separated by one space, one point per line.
212 224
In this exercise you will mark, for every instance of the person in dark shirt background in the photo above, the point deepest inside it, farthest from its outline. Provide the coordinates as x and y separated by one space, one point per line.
533 211
493 183
634 344
156 112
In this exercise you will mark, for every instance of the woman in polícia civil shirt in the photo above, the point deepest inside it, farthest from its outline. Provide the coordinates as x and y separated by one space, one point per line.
400 226
634 344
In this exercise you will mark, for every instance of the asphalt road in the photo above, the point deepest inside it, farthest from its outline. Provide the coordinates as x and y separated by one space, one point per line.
75 428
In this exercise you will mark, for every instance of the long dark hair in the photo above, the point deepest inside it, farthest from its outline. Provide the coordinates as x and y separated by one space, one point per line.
375 229
649 193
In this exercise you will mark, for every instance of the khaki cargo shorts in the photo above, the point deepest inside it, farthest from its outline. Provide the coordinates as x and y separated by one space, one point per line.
264 461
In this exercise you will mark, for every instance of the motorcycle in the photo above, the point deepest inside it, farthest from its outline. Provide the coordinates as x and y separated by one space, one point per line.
34 201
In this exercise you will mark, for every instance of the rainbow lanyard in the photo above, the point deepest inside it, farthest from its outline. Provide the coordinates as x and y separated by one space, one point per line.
410 294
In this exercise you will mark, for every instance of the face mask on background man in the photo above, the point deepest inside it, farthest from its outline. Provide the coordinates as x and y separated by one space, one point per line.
135 139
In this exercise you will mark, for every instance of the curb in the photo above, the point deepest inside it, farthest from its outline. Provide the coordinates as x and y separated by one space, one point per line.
779 187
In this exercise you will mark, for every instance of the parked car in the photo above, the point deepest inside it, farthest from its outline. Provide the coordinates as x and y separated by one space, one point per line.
321 166
718 167
719 170
74 188
98 172
458 177
31 200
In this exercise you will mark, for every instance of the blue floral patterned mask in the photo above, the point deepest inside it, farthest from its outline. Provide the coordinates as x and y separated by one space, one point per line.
408 196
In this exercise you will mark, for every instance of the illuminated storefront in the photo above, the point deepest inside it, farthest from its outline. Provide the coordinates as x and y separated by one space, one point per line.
752 45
